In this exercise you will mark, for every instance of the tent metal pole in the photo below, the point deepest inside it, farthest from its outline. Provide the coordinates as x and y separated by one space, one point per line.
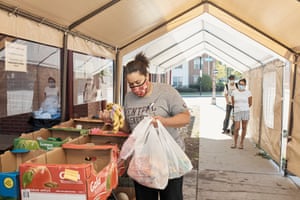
284 124
293 95
92 14
117 78
64 79
41 20
253 27
261 107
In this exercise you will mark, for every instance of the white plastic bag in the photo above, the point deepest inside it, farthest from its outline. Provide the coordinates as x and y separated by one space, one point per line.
178 162
138 133
148 163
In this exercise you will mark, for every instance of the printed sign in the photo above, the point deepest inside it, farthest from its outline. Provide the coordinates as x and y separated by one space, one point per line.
15 57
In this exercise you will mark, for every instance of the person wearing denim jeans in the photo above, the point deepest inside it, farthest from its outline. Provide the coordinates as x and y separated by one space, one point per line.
228 90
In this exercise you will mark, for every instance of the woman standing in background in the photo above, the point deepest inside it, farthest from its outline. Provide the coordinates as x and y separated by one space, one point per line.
242 101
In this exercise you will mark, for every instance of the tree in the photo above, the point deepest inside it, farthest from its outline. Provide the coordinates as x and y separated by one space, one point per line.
206 83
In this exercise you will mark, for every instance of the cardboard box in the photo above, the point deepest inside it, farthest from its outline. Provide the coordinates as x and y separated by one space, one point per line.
105 139
47 139
102 139
9 172
88 123
81 123
77 172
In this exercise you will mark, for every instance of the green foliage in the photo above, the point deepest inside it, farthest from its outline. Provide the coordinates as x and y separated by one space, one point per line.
185 89
220 86
206 83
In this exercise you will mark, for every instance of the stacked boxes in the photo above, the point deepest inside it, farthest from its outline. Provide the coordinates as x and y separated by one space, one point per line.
102 139
80 172
84 123
9 175
87 123
85 167
46 138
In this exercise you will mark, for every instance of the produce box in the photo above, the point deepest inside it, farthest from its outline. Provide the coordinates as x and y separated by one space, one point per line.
102 139
88 123
105 139
81 123
9 172
67 132
46 139
77 172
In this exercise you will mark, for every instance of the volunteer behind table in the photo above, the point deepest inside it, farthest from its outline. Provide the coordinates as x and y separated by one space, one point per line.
165 104
51 101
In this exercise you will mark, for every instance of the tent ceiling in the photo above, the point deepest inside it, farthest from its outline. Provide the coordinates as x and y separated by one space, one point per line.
173 31
205 34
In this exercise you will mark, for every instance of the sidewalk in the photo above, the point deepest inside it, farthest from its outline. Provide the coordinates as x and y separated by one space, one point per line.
231 174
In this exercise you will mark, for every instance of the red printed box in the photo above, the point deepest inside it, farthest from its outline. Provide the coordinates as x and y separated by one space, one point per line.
77 172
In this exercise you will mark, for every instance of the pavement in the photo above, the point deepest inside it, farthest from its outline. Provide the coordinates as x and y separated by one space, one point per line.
230 174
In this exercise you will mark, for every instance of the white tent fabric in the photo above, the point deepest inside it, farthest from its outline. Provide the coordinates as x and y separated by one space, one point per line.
205 34
246 35
184 27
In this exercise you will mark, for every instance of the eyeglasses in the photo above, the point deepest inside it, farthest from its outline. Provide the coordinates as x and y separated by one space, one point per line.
136 83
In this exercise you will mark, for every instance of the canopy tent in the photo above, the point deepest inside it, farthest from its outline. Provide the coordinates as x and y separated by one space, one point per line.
204 34
246 35
126 25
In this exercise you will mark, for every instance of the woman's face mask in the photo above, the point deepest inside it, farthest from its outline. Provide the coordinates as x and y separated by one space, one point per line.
242 87
140 90
51 84
231 82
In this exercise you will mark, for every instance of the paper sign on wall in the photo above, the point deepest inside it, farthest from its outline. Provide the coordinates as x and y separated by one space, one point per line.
15 57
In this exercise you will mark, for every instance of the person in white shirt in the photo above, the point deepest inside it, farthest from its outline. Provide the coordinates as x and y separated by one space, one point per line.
90 91
228 90
51 93
242 101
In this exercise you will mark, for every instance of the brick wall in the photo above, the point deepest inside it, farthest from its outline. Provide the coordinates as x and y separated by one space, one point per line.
16 124
86 110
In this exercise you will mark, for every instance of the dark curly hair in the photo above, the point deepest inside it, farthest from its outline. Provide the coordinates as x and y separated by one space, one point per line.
139 64
243 80
51 79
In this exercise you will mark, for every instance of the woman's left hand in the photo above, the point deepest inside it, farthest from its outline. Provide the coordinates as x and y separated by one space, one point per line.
155 118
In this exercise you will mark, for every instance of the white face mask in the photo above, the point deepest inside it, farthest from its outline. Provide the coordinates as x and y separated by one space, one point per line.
242 87
231 82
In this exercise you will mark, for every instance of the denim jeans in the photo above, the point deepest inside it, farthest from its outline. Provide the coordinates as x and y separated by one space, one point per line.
229 108
173 191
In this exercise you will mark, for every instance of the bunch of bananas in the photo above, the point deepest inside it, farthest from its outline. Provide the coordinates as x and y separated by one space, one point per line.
117 116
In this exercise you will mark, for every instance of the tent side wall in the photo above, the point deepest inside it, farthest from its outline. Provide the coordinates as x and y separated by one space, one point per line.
254 78
30 30
266 114
293 153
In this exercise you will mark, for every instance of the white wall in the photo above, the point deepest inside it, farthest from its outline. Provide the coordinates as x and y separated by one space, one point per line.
181 72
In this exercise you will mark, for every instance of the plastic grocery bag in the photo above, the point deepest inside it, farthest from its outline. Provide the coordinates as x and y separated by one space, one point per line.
138 133
148 163
178 162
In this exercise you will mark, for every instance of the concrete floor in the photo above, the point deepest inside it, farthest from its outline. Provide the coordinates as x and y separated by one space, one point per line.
231 174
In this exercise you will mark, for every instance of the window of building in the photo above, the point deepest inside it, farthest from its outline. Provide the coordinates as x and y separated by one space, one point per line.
197 63
195 79
177 81
178 67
